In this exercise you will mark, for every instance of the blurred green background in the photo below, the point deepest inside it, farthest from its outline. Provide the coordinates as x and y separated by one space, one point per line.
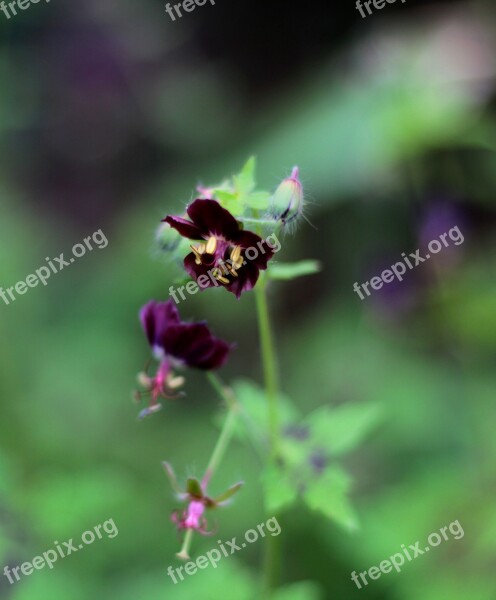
110 115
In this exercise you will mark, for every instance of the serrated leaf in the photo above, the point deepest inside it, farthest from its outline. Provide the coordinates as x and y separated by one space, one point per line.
254 411
258 200
245 181
229 493
294 452
287 271
193 487
341 429
225 196
328 494
279 492
231 201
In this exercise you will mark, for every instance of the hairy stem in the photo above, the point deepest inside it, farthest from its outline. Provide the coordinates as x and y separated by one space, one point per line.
257 221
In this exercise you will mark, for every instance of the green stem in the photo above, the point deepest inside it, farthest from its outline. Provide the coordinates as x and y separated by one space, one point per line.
269 363
227 430
257 221
272 556
183 554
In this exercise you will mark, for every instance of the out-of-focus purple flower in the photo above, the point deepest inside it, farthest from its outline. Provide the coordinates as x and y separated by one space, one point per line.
176 344
221 258
441 218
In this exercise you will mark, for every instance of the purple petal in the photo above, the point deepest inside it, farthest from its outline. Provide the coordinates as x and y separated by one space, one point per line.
185 227
247 239
245 281
210 353
156 317
259 249
196 271
217 357
194 344
179 340
209 215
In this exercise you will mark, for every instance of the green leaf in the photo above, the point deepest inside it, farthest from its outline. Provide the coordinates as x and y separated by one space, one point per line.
245 181
279 492
229 493
254 411
287 271
328 494
258 200
193 487
225 196
341 429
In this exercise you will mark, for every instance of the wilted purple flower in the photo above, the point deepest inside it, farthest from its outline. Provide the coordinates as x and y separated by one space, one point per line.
222 250
176 344
198 501
192 517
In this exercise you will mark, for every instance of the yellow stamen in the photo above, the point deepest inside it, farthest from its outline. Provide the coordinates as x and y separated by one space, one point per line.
236 254
211 245
198 250
232 270
175 382
218 275
144 380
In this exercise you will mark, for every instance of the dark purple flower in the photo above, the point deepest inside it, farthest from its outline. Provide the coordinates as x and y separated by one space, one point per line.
176 344
227 255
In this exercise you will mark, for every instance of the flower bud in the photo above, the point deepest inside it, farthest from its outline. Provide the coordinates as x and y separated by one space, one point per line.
287 201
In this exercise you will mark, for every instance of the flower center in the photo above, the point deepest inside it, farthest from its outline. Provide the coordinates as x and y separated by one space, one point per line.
211 253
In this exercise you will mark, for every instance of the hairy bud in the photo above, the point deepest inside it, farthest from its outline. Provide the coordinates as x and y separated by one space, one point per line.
287 201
